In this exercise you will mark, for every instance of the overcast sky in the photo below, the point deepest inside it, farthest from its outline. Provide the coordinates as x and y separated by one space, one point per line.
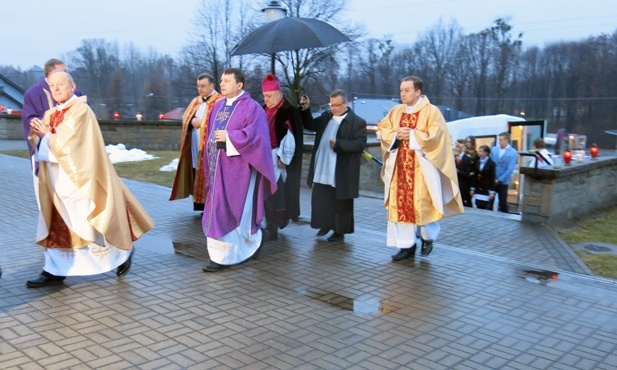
33 31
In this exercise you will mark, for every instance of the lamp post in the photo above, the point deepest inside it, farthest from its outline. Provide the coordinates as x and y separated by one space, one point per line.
274 11
146 104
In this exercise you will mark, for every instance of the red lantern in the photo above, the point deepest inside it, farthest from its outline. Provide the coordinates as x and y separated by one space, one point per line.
567 157
116 116
594 151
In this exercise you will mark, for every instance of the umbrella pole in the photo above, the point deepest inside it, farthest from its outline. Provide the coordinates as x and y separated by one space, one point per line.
272 68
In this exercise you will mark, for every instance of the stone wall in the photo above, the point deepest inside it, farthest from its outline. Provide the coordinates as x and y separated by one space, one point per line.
164 135
555 195
10 127
155 135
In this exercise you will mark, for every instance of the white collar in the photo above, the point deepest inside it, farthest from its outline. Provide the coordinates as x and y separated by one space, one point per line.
230 101
61 106
410 109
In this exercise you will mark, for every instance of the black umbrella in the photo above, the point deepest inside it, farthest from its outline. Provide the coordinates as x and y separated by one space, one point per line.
289 33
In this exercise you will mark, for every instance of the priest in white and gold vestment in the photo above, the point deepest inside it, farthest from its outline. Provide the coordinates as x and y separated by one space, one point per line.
88 219
418 172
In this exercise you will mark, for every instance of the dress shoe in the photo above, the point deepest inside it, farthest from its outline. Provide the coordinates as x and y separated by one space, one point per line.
336 237
323 231
270 234
124 268
212 266
405 253
427 247
45 279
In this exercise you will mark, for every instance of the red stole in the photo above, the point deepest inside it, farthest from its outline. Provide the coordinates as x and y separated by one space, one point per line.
56 119
404 172
271 115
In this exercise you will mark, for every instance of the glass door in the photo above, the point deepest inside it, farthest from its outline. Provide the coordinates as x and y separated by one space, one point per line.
522 135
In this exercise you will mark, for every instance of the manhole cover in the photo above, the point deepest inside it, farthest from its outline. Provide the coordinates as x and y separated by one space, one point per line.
597 248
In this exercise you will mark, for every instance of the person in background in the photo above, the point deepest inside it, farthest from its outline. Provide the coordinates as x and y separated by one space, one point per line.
543 158
286 140
465 170
483 182
505 158
189 178
334 171
239 175
38 98
419 174
88 219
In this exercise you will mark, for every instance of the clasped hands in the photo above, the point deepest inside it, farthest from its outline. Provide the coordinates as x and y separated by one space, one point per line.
38 128
195 122
403 133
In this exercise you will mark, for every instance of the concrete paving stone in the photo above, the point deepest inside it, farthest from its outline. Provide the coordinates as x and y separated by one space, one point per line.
470 281
78 343
380 363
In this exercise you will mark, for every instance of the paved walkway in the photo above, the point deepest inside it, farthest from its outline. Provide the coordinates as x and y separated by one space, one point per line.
495 293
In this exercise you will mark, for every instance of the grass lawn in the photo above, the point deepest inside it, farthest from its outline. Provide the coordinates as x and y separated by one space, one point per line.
147 171
598 227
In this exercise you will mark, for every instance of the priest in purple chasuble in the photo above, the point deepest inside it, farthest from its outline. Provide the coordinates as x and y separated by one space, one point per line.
239 175
88 219
189 178
419 173
38 99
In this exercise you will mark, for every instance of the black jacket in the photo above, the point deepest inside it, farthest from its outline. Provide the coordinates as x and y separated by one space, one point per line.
484 181
350 142
288 112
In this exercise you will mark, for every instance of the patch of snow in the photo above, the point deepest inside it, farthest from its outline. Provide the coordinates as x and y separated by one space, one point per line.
119 153
172 166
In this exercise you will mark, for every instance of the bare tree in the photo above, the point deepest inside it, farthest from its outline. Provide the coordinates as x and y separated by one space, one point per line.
507 54
437 49
218 27
93 63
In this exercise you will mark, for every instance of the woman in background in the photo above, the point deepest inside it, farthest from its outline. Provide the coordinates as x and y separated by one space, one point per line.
483 182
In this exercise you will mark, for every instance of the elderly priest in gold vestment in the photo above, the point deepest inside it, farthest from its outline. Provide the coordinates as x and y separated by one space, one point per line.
88 219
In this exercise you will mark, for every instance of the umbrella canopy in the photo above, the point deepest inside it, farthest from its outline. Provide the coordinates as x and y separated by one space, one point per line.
289 33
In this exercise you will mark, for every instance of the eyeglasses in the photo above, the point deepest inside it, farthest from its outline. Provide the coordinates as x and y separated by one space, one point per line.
337 105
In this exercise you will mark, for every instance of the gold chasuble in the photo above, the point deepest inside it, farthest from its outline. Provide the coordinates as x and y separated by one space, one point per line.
113 212
407 195
185 183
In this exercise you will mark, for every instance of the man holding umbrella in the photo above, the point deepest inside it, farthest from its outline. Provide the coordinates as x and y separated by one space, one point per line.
334 172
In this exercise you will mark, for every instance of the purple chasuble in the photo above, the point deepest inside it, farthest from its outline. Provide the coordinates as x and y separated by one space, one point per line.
228 177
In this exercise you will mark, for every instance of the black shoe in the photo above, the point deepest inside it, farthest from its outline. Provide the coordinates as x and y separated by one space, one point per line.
125 267
336 237
270 234
427 247
45 279
405 253
212 266
323 231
